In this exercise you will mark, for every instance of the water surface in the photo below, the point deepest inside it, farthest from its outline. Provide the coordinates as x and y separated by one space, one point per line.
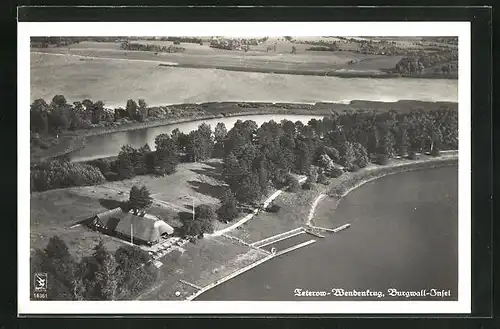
116 81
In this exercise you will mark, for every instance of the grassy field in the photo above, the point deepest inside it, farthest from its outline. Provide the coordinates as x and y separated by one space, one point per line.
348 61
293 213
202 263
54 213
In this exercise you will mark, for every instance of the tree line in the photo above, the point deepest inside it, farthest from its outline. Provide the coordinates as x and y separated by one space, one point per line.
101 276
151 47
254 156
59 116
178 40
45 42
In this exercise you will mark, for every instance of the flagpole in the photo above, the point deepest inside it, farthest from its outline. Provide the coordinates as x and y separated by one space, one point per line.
131 233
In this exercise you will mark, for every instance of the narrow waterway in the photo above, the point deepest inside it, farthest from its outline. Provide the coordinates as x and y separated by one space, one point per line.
107 145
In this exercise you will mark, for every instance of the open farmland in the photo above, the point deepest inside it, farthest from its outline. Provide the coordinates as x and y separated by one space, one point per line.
257 57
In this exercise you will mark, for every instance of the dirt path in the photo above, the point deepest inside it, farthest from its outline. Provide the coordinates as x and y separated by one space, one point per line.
250 216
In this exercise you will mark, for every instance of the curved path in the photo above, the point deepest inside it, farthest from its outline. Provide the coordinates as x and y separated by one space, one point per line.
250 216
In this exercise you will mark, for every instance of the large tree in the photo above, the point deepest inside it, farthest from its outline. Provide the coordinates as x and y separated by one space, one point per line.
166 154
347 154
249 190
105 273
220 134
233 172
228 209
131 109
125 165
360 154
201 223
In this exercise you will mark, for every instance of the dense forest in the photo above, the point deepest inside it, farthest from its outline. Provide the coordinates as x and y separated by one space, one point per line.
59 116
254 156
418 63
100 276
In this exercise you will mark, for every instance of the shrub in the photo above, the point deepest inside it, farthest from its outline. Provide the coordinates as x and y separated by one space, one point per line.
381 159
202 223
322 179
177 42
307 184
61 174
313 174
102 164
435 152
293 183
412 155
42 144
273 208
228 209
354 168
335 172
403 150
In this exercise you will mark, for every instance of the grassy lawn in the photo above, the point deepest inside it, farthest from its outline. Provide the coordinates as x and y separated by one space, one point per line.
53 213
293 213
201 263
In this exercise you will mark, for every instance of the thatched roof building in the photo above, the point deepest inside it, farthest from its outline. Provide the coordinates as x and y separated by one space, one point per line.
144 229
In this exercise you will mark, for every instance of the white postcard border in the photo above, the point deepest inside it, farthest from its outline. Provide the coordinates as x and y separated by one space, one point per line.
240 29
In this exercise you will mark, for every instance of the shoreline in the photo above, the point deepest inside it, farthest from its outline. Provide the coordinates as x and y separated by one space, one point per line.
342 189
76 140
348 184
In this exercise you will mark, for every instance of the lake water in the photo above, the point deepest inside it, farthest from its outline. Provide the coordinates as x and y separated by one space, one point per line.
403 235
109 144
116 81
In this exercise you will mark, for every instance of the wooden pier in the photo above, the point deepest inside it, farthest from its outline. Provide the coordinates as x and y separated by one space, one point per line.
333 230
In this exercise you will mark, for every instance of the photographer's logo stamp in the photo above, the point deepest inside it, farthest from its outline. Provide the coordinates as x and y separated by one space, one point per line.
40 282
40 285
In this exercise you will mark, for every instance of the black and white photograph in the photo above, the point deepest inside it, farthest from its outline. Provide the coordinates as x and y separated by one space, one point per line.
252 165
